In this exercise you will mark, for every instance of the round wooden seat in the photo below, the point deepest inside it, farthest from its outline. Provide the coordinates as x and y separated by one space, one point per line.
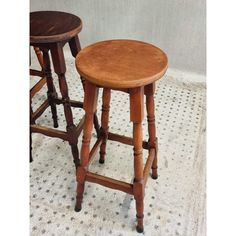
121 63
53 26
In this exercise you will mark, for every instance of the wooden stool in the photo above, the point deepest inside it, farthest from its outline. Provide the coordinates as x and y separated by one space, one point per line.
129 66
50 31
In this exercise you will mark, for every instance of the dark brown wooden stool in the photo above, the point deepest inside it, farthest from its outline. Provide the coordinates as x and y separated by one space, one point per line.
50 31
129 66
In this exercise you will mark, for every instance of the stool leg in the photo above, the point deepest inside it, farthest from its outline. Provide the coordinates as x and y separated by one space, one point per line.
51 89
136 116
75 47
71 128
138 173
96 124
39 55
106 97
90 102
95 118
149 92
60 69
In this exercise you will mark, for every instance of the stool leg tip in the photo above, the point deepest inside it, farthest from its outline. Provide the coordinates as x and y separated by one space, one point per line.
139 229
154 176
101 161
77 209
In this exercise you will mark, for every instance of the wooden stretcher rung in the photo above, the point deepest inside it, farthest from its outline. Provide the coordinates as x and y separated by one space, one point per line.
37 86
40 110
109 182
37 73
49 132
124 139
73 103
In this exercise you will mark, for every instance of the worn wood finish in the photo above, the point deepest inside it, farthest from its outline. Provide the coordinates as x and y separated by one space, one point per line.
132 67
49 32
53 26
121 63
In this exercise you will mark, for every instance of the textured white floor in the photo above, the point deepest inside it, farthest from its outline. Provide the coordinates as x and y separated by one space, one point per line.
174 204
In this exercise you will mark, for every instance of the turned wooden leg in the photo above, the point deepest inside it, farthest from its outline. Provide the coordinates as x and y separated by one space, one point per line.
106 97
96 124
71 128
136 116
51 89
149 92
39 55
75 47
60 69
95 118
90 103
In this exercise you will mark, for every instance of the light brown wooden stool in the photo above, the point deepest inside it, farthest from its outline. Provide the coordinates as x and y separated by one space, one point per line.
49 32
129 66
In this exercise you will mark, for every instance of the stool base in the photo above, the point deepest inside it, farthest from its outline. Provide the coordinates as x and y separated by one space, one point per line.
141 170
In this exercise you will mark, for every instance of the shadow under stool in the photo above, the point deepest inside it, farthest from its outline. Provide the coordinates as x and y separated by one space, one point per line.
49 32
132 67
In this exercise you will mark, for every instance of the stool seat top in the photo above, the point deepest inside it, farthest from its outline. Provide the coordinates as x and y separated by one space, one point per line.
53 26
121 63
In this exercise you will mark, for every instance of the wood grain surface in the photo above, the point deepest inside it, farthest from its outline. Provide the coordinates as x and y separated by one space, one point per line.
53 26
121 63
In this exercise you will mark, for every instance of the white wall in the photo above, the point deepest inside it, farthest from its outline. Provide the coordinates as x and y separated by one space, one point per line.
176 26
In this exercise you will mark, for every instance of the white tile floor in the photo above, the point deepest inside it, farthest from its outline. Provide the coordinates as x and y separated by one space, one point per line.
174 204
